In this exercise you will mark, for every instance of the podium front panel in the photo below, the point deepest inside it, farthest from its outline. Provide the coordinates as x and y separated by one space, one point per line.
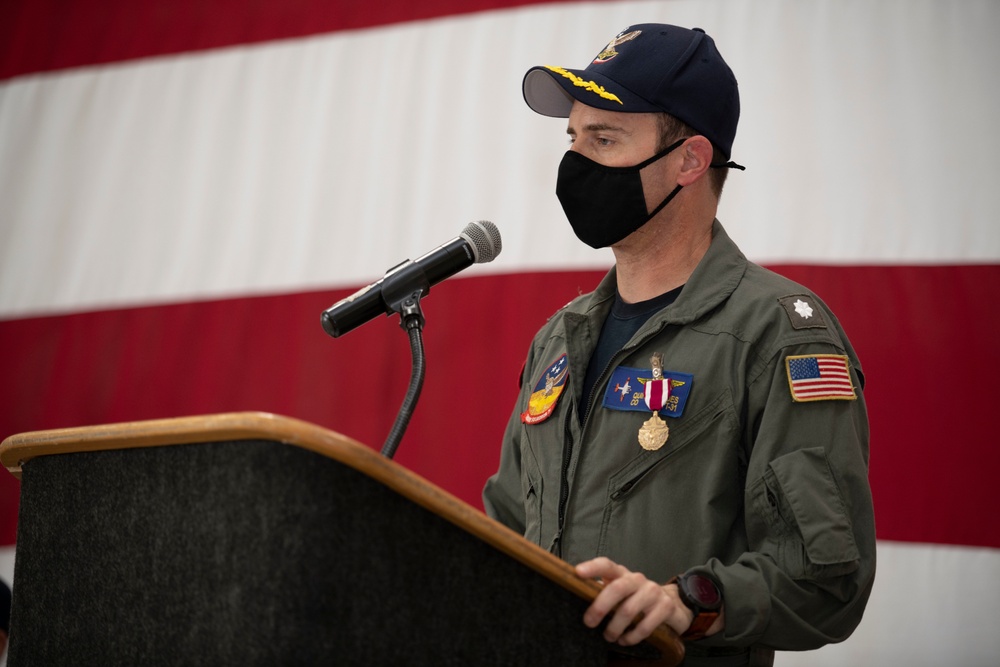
253 552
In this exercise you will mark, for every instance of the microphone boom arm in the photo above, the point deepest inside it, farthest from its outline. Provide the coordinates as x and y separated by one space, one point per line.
411 320
400 291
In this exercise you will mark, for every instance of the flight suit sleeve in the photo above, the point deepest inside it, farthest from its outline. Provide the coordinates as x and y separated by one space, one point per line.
807 575
503 494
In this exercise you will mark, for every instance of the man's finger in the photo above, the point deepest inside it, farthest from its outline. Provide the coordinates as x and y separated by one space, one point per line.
601 567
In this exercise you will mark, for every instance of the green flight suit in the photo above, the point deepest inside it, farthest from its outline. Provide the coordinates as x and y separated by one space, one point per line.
767 495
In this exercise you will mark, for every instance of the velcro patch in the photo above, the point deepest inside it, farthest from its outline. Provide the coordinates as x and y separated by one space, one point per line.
626 390
546 393
819 377
803 311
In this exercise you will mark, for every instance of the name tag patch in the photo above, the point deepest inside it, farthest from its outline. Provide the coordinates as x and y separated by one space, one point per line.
626 390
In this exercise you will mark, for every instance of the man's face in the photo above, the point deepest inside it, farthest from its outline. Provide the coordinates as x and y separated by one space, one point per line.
611 138
616 139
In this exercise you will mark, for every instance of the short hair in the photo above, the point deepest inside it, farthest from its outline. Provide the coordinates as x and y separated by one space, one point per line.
672 129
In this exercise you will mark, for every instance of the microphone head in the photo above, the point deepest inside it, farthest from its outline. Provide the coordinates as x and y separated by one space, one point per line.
484 237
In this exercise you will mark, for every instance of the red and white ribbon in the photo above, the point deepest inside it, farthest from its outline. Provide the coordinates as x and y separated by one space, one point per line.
656 394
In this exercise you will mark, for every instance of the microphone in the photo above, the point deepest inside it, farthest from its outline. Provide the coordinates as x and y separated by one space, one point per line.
478 243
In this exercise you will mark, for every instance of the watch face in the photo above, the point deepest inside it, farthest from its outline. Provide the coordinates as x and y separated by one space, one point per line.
704 591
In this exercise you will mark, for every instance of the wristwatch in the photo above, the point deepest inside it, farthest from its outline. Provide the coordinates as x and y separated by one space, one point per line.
702 596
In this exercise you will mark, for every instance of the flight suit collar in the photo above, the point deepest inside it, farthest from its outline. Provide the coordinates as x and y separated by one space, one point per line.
714 279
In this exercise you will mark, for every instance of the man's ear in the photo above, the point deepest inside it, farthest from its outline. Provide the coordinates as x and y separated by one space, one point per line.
696 155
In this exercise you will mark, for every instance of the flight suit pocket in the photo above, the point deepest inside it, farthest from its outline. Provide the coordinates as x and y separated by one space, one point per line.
655 500
808 529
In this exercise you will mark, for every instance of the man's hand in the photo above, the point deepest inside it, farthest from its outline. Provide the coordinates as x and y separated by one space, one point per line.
637 604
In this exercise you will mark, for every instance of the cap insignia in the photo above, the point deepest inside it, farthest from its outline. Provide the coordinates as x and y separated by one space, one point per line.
609 51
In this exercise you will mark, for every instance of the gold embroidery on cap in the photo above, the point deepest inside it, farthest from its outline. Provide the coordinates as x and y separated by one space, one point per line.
588 85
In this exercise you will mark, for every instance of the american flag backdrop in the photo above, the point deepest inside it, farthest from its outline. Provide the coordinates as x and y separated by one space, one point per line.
186 184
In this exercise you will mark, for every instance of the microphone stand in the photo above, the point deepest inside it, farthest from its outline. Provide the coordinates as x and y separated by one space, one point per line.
411 320
400 291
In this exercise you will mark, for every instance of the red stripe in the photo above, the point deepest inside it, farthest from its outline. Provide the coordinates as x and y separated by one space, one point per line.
902 322
933 455
43 35
815 395
833 368
823 388
654 394
817 385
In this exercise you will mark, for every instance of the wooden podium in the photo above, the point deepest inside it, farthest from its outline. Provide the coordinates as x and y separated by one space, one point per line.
253 539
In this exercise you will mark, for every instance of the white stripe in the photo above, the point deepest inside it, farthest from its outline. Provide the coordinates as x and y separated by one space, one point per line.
868 130
931 605
7 564
7 576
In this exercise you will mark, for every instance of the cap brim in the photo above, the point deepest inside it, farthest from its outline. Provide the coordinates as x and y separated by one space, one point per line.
551 91
544 95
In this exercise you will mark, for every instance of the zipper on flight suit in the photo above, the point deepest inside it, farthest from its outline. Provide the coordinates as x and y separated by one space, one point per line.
625 488
568 441
563 484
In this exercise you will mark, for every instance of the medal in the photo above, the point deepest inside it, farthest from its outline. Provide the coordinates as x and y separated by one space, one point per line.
654 431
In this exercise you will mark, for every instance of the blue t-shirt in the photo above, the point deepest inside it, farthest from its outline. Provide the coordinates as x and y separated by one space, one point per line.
619 327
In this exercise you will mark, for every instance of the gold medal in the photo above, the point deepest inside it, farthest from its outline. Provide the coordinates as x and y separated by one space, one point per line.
654 431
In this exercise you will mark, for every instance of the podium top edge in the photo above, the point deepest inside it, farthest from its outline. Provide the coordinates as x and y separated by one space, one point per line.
18 449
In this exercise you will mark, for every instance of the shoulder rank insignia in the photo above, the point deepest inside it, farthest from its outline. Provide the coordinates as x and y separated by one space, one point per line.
803 311
546 392
819 377
626 390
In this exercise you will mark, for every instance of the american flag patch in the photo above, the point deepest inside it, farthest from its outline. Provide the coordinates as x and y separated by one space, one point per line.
819 377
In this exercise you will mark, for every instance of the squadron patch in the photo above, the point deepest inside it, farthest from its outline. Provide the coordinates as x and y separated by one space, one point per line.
626 390
546 392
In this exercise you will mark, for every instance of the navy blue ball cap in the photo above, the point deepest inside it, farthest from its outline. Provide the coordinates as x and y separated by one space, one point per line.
648 68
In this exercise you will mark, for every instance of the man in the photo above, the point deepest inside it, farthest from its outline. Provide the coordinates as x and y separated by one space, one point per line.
693 433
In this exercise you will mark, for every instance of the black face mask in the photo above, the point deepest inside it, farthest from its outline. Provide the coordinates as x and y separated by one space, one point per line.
605 204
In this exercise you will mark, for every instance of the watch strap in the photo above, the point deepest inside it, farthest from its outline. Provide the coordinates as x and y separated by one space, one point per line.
700 625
